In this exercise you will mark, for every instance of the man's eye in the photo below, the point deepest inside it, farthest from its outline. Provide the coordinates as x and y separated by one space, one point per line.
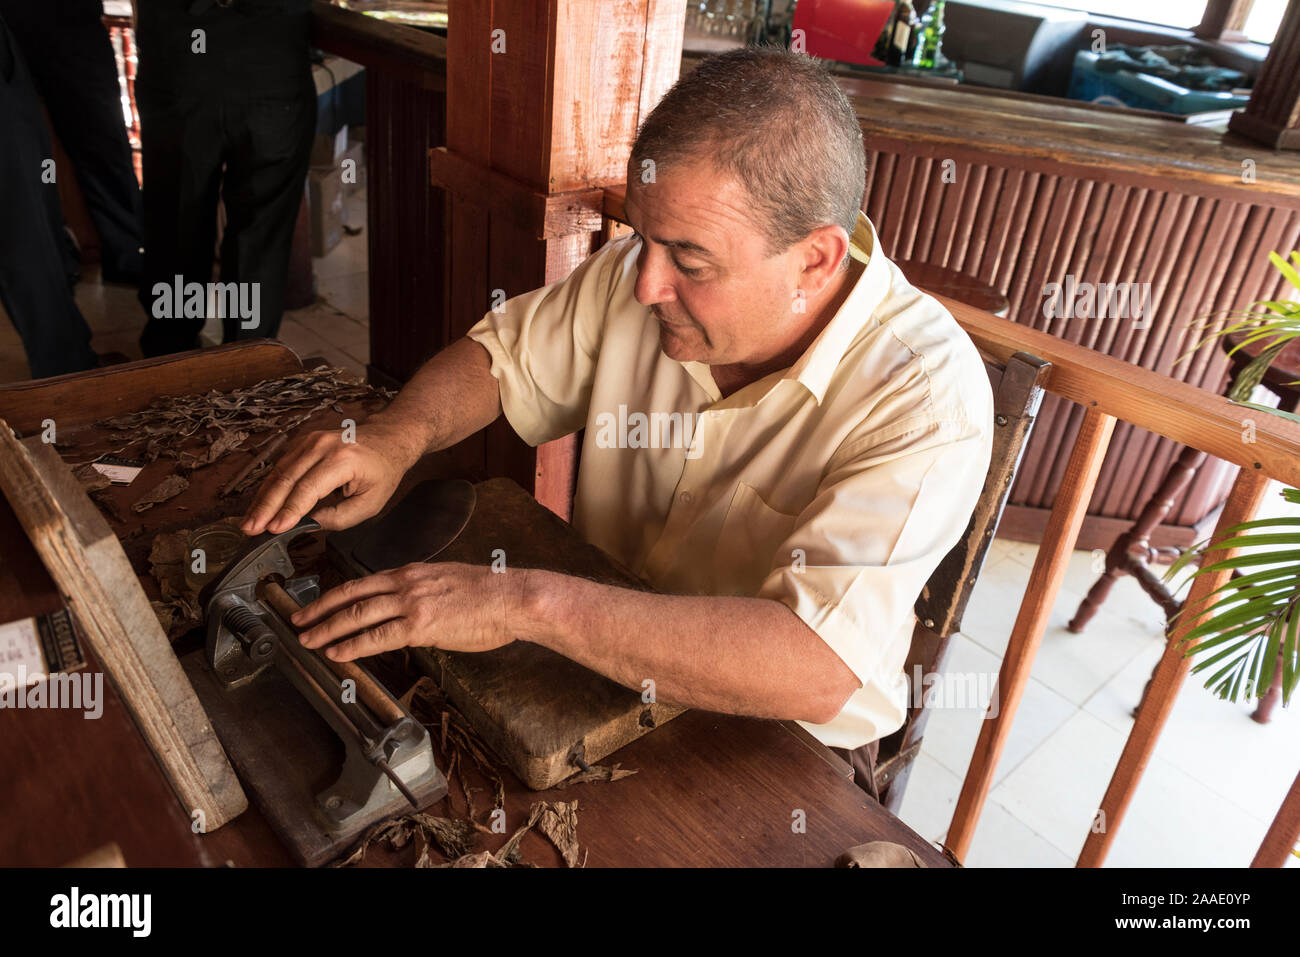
685 270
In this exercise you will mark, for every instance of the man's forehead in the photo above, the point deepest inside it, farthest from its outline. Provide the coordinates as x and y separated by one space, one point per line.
688 211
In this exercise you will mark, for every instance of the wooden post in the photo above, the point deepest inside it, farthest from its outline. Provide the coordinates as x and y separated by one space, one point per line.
1273 113
1283 834
544 100
1044 582
1224 20
1243 502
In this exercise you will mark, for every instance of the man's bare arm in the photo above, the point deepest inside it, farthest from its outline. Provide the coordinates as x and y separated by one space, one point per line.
452 396
750 656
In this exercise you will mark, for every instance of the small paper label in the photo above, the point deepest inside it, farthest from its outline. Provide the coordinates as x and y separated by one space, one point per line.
20 653
118 471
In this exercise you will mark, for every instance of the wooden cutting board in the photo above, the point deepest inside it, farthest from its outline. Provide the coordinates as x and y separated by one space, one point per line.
537 709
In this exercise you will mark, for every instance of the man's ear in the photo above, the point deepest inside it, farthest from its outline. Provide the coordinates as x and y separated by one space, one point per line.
824 251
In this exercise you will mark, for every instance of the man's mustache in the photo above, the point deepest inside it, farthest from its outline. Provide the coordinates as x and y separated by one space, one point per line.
661 317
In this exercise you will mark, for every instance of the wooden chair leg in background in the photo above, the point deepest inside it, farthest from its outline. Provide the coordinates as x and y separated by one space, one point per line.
1132 550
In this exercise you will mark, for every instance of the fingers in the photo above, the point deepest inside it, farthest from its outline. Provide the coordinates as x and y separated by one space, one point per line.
388 636
276 487
328 474
336 599
352 510
353 619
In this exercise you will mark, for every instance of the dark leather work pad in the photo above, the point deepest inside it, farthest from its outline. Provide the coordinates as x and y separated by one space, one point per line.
537 709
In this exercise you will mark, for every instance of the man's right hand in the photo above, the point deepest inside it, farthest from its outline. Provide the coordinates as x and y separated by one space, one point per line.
366 472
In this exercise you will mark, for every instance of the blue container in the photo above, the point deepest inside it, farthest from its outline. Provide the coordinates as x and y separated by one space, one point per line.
1142 91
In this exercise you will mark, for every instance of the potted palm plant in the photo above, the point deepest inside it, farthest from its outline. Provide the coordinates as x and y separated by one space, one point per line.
1250 636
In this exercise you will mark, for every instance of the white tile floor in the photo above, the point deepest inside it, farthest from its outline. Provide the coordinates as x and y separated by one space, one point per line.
1213 786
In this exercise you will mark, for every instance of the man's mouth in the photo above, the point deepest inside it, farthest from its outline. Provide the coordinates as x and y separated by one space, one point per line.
665 321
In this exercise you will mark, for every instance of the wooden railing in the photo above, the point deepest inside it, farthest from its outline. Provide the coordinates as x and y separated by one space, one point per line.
1110 391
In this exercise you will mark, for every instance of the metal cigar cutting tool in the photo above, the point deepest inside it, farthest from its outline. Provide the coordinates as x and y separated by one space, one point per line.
324 748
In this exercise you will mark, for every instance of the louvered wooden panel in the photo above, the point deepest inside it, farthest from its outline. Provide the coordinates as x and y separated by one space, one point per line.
1019 229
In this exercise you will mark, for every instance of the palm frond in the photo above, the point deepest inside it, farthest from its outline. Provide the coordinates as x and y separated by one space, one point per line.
1277 325
1246 622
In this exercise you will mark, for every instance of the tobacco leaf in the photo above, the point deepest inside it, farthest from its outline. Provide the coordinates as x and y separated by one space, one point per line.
251 478
108 505
597 772
454 837
223 443
169 548
458 740
170 425
508 853
424 860
168 488
166 613
91 478
559 822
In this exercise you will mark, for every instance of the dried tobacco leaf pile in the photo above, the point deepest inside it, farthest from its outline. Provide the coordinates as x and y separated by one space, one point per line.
457 838
201 428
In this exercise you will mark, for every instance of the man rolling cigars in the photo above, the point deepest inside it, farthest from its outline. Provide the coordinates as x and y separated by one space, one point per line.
783 436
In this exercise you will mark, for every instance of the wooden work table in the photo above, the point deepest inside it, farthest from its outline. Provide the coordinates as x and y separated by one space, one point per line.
711 790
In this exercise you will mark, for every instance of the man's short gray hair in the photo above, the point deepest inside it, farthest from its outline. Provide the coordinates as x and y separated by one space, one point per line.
779 124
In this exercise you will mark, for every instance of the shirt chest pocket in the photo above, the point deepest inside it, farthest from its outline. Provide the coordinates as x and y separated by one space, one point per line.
752 532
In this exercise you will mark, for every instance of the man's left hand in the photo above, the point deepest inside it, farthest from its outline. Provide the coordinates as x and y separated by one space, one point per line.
450 606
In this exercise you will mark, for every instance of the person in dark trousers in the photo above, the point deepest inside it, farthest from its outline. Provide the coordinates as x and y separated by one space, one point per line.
71 60
35 285
227 108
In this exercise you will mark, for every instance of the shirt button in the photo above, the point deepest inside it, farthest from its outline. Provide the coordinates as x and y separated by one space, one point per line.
686 498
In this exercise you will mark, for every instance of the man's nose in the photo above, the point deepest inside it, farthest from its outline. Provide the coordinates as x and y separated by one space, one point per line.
653 281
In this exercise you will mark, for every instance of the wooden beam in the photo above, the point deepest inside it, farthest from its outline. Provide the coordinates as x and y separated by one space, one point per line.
545 216
1027 634
1272 116
87 563
543 104
1243 502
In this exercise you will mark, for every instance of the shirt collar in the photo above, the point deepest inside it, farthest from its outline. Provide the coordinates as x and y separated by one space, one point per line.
817 365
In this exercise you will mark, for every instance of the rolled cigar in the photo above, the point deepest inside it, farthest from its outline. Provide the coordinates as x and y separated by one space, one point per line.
262 457
368 690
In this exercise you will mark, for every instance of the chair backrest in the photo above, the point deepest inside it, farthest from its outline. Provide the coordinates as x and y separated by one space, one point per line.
1017 395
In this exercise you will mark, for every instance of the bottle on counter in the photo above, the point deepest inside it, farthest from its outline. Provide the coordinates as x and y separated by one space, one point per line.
929 37
896 41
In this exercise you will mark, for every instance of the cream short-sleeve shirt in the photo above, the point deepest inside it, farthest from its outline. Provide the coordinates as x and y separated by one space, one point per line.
835 486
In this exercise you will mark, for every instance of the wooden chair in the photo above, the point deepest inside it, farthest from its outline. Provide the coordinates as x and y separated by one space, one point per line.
1017 392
